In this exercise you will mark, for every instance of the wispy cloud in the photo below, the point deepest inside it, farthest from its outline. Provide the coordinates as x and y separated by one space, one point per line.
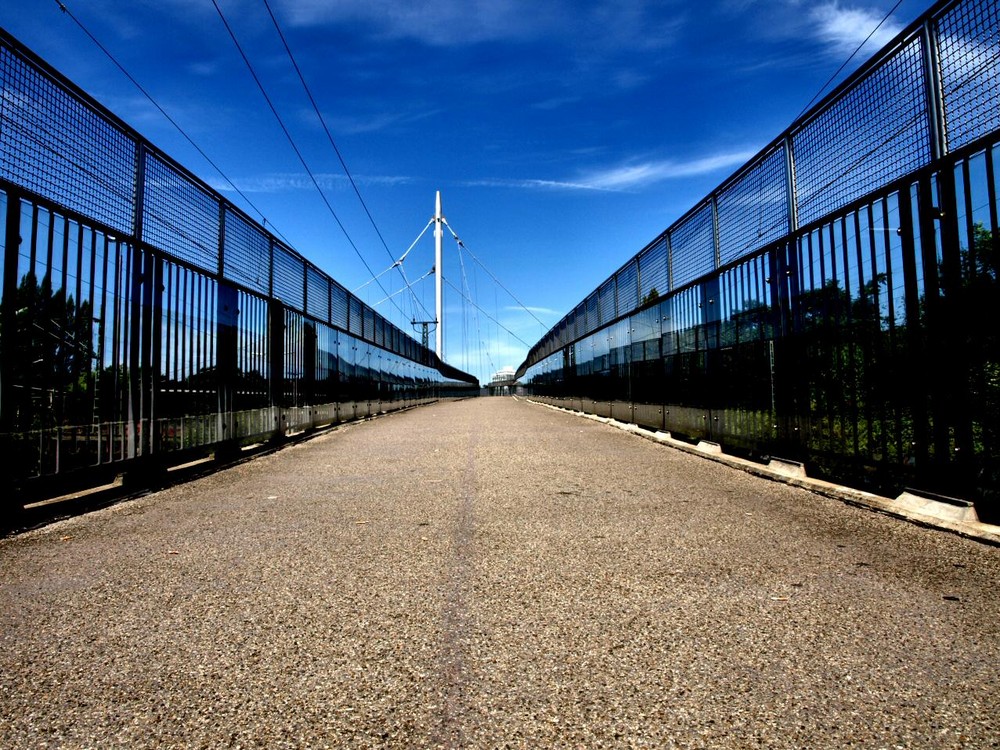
446 23
604 23
530 308
375 122
632 176
294 181
844 28
556 102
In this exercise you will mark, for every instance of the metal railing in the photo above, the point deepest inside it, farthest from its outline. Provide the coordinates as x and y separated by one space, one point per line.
143 315
823 302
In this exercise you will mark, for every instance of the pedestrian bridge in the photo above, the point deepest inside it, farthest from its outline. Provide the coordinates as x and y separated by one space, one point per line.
829 303
738 499
494 573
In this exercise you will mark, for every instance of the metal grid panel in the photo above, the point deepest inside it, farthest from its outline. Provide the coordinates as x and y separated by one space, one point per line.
355 320
246 257
179 216
593 318
59 143
289 278
338 305
55 145
369 326
969 46
391 337
654 278
875 133
627 287
606 301
317 294
753 210
693 246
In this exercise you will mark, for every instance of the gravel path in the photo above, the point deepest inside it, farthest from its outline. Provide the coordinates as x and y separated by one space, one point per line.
489 574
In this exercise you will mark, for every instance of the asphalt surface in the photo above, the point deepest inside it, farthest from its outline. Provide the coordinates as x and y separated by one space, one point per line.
490 574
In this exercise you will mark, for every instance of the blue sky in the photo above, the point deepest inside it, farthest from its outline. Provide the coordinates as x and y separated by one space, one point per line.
563 135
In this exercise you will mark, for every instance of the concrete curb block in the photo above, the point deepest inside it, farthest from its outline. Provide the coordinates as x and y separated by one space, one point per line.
963 512
707 446
908 507
787 468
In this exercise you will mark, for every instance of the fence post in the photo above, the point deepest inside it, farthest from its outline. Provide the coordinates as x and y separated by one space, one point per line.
8 315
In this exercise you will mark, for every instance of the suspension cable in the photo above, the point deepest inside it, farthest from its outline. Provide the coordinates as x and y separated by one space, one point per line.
400 291
448 282
401 258
295 148
499 283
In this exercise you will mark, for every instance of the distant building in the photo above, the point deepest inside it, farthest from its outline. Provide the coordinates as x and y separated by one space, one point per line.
502 382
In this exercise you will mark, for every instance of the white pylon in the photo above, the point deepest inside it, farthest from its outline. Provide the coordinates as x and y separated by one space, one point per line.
438 235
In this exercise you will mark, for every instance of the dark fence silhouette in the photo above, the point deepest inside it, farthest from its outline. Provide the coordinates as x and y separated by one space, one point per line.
835 300
146 320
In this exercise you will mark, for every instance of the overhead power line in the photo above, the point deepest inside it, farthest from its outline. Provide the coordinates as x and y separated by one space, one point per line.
295 148
162 111
319 116
850 57
333 145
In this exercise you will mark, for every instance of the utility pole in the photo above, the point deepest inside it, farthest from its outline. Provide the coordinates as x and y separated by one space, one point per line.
438 235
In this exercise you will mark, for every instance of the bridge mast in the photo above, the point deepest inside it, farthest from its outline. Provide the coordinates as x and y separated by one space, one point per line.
438 234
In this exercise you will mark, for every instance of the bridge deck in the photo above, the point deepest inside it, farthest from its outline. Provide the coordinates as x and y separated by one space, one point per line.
492 573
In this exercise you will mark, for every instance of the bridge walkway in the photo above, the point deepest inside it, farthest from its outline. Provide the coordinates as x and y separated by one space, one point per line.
492 573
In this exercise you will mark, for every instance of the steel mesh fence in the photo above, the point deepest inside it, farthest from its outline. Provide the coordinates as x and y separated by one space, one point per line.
627 288
317 294
580 320
875 131
593 315
55 145
58 143
289 278
873 134
654 275
606 301
969 51
368 331
338 305
355 322
179 217
753 210
246 257
693 247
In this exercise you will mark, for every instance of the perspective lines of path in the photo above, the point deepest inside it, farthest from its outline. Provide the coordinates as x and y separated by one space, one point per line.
491 573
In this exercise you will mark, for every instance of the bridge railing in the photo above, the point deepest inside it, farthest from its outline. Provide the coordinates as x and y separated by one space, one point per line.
830 300
143 314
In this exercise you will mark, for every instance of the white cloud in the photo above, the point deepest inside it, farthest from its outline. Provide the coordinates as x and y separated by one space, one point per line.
844 28
634 175
444 23
600 23
375 122
556 102
530 308
291 181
